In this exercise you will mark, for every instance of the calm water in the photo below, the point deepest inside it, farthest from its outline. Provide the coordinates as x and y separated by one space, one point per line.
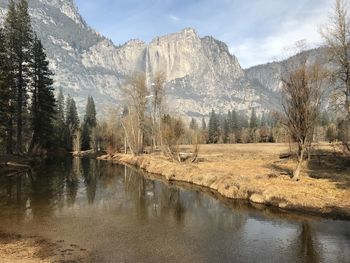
119 215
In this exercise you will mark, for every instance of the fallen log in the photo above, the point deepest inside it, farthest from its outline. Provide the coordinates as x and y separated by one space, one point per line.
186 156
285 155
18 165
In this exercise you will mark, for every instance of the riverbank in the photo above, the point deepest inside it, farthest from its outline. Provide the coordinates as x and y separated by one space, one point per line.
255 172
15 248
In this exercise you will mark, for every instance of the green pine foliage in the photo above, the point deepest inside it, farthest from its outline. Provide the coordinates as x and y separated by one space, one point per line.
19 40
214 132
85 137
253 123
204 124
4 91
72 123
43 103
90 113
89 125
59 123
72 118
27 102
193 124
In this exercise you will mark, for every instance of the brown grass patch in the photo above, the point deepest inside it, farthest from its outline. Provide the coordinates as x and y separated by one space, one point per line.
255 172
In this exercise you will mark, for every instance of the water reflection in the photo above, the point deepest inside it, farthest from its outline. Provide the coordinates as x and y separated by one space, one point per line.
308 248
102 199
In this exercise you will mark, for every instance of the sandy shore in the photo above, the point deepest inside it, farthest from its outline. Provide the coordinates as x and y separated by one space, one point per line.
255 173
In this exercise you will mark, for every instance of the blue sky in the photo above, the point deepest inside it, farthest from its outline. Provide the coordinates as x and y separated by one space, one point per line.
256 31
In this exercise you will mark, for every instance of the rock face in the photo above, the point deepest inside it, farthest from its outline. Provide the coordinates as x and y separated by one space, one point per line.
201 72
269 75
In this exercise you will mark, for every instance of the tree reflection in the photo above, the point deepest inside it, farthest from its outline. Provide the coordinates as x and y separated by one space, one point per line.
90 180
72 181
308 248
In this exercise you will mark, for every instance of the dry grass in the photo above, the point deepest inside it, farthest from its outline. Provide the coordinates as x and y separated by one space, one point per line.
20 249
255 172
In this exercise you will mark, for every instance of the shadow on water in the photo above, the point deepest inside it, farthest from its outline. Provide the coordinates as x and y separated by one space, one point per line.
125 207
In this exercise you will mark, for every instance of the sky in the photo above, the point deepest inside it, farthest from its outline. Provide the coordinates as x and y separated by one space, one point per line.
256 31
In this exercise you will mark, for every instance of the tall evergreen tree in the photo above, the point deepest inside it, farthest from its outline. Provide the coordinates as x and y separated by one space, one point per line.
234 121
85 137
60 125
263 121
229 120
204 124
214 132
18 35
60 105
193 124
243 121
72 118
253 123
43 101
89 125
90 113
72 122
5 92
226 129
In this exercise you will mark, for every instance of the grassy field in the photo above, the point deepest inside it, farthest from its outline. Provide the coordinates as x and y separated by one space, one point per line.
256 173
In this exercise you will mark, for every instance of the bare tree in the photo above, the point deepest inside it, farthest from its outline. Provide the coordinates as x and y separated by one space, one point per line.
136 96
158 95
302 94
337 38
173 130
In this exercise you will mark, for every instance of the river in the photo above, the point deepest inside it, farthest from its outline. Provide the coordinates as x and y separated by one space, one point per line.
119 214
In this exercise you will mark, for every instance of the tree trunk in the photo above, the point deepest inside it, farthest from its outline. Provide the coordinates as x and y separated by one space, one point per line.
19 109
32 143
9 142
296 172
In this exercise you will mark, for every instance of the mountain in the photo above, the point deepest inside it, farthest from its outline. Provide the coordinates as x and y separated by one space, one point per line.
269 75
201 73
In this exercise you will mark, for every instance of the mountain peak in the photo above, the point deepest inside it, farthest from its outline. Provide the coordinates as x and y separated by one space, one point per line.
189 30
134 42
67 7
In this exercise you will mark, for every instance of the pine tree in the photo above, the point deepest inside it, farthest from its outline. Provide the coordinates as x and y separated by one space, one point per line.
85 137
60 125
90 113
234 121
193 124
60 106
226 129
263 121
4 91
72 119
253 123
18 35
243 121
89 125
72 122
43 101
214 132
204 124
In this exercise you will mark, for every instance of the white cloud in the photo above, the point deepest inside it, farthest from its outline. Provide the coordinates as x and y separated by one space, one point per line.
278 44
174 18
